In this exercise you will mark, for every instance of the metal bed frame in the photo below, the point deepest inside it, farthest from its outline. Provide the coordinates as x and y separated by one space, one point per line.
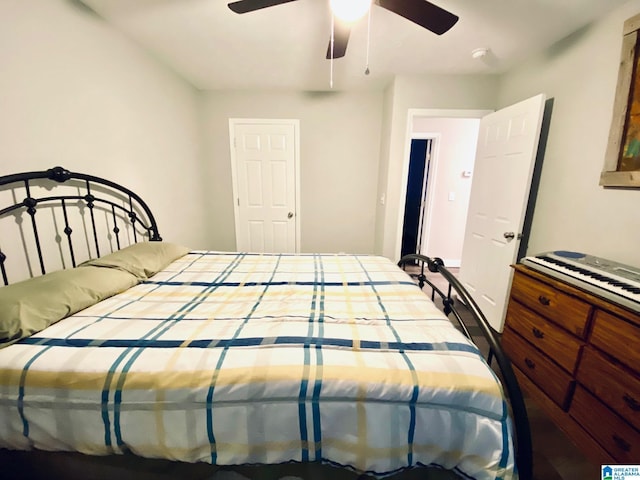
524 452
99 193
130 211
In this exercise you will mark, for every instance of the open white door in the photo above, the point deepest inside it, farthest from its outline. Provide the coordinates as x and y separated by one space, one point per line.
505 159
264 159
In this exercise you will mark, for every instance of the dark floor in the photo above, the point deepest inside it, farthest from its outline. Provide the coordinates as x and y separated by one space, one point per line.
554 456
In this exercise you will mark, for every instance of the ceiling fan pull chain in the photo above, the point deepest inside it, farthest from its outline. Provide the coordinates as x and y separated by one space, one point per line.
367 71
333 27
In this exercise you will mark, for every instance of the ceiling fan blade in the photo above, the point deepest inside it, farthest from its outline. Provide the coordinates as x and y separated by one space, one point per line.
424 13
341 32
245 6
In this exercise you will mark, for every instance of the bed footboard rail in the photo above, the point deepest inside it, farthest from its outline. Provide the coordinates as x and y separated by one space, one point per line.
523 443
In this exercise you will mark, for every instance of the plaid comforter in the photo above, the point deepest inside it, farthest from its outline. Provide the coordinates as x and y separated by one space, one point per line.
238 358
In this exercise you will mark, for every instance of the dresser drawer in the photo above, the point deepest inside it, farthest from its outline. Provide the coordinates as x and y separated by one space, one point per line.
612 432
567 311
612 384
551 379
556 343
617 337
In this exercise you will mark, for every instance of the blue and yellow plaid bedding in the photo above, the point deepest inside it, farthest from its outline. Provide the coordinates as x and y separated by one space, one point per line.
238 358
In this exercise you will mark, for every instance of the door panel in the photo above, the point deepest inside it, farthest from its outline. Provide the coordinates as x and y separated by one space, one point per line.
264 166
279 184
256 241
500 188
252 183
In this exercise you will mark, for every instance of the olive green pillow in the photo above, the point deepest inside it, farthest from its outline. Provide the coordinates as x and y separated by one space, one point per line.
32 305
143 259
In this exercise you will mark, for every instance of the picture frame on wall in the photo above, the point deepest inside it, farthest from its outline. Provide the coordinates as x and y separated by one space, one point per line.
622 158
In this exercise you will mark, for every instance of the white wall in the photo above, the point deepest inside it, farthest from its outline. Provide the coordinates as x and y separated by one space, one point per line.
77 93
454 153
475 92
383 171
339 150
573 212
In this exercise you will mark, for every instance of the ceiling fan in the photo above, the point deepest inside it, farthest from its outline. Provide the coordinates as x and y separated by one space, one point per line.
421 12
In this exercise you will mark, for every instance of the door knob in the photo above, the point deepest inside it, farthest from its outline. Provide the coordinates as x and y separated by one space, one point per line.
290 215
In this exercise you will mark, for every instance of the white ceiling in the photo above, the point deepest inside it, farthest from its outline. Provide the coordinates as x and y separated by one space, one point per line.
284 46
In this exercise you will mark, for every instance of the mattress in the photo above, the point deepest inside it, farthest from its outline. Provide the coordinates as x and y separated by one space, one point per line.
235 359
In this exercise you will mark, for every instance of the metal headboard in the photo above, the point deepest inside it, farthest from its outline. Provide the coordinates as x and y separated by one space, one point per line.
127 211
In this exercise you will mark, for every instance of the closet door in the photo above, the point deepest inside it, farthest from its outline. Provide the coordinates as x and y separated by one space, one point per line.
265 180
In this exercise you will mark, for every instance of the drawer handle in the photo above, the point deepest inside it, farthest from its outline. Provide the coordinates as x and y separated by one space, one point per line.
530 363
621 443
631 402
544 300
537 333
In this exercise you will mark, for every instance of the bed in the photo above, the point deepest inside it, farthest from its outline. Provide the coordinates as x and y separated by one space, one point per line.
130 350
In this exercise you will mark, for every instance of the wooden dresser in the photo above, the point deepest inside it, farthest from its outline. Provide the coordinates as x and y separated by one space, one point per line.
577 356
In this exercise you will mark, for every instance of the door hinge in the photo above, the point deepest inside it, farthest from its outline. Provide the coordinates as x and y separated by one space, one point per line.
512 235
238 199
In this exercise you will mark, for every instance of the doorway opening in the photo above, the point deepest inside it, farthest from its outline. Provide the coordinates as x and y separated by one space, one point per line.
442 215
416 197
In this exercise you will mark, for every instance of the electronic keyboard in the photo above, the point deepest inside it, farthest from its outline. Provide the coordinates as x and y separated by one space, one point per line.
613 281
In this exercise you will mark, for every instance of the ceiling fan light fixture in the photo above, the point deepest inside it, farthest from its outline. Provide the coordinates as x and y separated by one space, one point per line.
350 10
